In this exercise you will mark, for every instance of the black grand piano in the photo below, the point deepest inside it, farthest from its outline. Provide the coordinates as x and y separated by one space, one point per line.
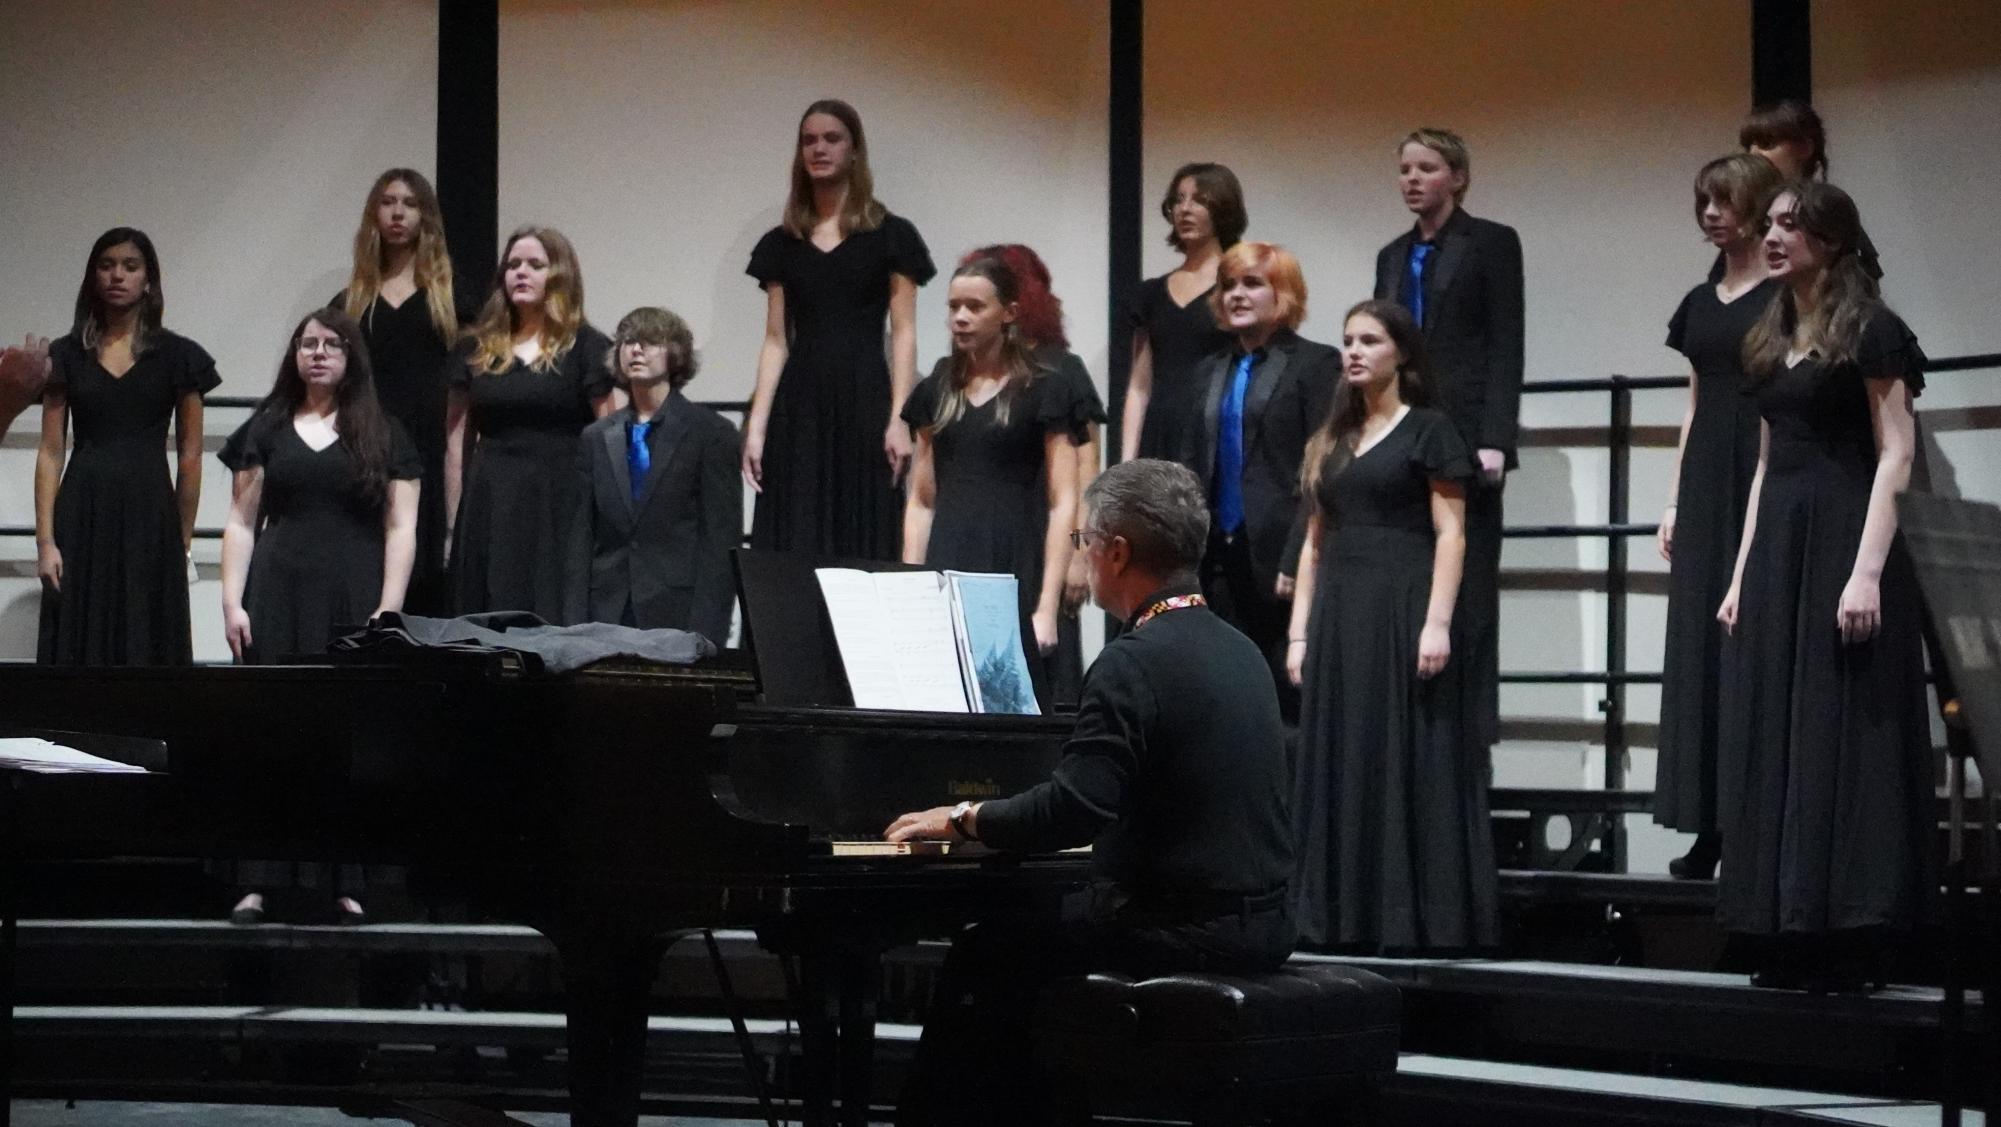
610 808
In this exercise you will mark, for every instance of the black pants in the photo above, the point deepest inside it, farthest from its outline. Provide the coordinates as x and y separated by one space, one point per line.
1477 619
1235 593
975 1066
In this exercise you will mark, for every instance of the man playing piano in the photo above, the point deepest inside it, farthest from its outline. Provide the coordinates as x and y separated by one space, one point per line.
1175 775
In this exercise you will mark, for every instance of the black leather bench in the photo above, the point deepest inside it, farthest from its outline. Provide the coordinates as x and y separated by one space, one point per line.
1308 1043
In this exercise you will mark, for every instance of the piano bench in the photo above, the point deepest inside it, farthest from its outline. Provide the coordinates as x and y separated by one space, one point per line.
1307 1043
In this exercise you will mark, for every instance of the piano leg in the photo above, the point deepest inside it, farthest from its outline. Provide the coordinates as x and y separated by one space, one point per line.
819 1036
9 908
861 987
839 987
608 980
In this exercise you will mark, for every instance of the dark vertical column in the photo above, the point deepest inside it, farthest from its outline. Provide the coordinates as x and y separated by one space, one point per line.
1123 212
1781 51
469 133
1619 490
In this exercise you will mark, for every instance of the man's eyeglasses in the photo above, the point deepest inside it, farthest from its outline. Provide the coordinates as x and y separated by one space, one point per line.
1082 536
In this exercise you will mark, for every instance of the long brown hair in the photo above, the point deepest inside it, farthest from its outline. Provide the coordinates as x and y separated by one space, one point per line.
1336 436
91 316
562 306
433 262
364 428
1017 353
859 210
1844 295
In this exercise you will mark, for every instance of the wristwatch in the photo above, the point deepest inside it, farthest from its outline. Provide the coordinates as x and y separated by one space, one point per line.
958 818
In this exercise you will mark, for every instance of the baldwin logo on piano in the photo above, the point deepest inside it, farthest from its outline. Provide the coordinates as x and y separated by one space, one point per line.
962 788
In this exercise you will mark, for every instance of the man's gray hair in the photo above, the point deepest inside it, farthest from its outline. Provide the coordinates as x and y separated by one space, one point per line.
1160 509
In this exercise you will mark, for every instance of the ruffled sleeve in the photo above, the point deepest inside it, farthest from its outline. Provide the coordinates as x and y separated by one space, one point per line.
1678 324
193 368
1140 309
1889 350
405 464
458 365
591 360
767 258
66 355
246 447
907 253
1067 400
1437 449
920 408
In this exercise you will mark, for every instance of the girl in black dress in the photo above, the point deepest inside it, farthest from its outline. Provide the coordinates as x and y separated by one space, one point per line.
112 529
321 533
1707 492
1041 324
1792 136
1173 325
1391 793
401 291
825 444
993 486
1827 806
535 376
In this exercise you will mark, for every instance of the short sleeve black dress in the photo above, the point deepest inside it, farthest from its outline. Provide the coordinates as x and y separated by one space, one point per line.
413 364
1826 808
318 562
991 510
521 490
1178 338
124 597
1390 799
827 487
1717 464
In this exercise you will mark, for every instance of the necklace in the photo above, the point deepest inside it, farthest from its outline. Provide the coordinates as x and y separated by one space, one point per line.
1172 602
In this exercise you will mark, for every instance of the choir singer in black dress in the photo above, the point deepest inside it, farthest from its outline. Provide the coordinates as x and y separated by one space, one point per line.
1396 852
1173 323
993 485
1262 399
1827 807
1707 494
402 292
825 445
1461 279
321 536
663 503
1175 774
535 377
112 527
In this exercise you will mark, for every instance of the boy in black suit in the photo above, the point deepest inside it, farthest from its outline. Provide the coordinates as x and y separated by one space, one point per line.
665 504
1461 278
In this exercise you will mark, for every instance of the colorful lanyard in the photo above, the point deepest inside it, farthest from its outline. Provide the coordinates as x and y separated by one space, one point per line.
1172 602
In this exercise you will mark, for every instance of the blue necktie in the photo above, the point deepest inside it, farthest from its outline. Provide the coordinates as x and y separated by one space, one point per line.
1230 452
638 456
1419 252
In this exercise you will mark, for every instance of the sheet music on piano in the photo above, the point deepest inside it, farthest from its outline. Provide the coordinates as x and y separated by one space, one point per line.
45 757
894 629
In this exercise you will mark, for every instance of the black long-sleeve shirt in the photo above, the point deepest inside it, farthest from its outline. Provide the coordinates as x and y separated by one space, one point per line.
1176 771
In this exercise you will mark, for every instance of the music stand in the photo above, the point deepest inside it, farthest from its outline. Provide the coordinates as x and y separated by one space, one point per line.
1956 547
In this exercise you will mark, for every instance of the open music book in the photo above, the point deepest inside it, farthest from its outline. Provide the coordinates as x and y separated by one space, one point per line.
42 757
929 641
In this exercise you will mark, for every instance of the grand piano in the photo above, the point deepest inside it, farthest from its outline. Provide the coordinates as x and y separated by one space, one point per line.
611 808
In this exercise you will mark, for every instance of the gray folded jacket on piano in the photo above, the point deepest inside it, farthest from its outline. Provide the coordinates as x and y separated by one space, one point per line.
560 649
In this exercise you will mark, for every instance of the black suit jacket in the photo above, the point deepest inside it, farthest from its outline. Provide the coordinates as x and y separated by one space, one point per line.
1290 393
666 555
1472 324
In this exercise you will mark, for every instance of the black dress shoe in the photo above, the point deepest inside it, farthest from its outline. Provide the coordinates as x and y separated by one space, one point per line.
246 917
1780 978
1699 863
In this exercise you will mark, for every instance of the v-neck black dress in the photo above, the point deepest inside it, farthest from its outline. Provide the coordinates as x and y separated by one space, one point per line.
124 597
827 487
991 509
413 366
318 562
521 492
1717 464
1826 810
1178 337
1395 847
